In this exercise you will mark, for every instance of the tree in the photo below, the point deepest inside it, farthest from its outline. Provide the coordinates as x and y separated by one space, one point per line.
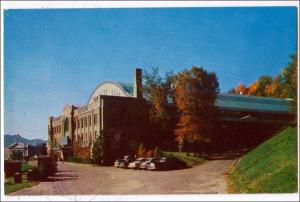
258 88
141 150
97 153
290 80
253 88
16 155
195 92
275 89
159 90
43 149
158 152
241 89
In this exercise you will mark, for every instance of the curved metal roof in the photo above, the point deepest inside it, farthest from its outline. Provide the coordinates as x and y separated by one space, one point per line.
126 88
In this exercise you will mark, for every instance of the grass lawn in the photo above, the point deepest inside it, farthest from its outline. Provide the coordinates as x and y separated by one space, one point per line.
10 186
190 159
270 168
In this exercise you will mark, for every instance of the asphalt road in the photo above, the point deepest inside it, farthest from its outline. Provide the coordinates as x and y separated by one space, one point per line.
78 179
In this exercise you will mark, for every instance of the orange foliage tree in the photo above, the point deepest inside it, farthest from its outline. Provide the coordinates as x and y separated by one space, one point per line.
275 88
195 92
241 89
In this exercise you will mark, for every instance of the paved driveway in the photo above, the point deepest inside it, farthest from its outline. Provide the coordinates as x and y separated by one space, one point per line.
77 179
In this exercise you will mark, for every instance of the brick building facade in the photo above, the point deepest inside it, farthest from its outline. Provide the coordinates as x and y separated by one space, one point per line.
115 112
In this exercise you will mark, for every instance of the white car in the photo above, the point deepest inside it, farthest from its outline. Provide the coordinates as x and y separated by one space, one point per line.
117 162
136 164
146 163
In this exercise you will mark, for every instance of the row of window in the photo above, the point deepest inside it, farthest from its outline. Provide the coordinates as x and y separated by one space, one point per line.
86 121
114 93
85 137
57 129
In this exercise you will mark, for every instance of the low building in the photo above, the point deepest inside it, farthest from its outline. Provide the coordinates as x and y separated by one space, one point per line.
18 151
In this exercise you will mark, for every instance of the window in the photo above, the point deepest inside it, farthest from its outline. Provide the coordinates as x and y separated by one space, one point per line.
85 122
95 119
81 123
95 135
78 126
66 124
90 120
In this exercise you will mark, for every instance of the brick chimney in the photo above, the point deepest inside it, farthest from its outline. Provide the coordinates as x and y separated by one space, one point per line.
138 84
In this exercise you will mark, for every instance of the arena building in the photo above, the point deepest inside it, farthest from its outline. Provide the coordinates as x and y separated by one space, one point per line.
118 114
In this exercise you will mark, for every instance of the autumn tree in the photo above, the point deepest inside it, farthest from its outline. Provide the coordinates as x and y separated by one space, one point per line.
258 88
195 92
241 89
275 89
252 89
158 89
141 150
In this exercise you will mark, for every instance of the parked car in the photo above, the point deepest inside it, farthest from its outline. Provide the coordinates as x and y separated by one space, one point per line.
125 161
128 158
144 165
123 164
167 163
136 164
117 162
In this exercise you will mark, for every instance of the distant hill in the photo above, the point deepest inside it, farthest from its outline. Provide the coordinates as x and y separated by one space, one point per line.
9 139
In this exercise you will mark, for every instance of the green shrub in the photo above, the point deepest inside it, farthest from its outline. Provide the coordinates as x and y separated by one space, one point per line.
25 167
80 160
158 152
97 153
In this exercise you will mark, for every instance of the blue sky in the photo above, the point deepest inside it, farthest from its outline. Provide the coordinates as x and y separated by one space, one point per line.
58 56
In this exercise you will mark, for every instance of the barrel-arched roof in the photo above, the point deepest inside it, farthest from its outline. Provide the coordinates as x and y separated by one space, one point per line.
126 88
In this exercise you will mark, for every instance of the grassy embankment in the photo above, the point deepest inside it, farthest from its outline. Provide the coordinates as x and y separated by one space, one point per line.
10 186
270 168
190 158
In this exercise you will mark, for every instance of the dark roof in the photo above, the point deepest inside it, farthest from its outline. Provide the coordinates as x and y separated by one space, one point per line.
252 103
238 102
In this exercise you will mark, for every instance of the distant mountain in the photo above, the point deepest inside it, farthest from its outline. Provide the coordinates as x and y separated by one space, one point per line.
9 139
